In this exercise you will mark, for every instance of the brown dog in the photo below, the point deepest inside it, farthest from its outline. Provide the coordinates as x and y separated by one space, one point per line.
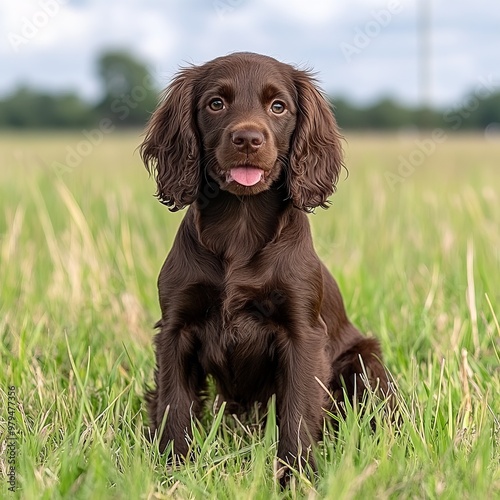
250 144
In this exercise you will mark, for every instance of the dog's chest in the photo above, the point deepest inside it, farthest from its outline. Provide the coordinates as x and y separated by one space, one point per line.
238 332
242 358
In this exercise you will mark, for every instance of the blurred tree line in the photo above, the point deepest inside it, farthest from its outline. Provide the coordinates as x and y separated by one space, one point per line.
129 95
473 112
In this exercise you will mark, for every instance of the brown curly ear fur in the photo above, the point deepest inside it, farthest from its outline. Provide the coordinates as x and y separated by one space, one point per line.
170 150
316 151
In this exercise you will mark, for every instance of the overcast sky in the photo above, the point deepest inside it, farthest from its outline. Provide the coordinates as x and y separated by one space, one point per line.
361 49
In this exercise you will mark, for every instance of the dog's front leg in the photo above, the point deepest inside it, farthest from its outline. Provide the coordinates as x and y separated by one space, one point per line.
179 382
300 397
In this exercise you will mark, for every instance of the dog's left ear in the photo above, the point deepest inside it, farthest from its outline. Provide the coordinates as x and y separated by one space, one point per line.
316 156
170 149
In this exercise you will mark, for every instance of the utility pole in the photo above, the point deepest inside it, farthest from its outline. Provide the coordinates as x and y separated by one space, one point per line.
424 62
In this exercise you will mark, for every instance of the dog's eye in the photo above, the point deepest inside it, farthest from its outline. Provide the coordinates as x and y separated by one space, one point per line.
216 104
278 107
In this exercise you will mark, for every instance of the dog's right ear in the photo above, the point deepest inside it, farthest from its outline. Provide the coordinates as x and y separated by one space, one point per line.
170 150
316 156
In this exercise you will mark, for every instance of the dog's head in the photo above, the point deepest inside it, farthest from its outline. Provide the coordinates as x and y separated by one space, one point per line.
246 121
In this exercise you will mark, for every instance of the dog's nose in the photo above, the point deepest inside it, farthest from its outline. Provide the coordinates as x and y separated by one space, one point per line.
247 140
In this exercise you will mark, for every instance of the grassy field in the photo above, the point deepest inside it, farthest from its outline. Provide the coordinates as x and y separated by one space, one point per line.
416 252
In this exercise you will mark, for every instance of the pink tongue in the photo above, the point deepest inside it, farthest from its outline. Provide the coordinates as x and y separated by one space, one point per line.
246 176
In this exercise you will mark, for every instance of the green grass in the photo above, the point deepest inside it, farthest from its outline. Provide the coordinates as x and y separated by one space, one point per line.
419 266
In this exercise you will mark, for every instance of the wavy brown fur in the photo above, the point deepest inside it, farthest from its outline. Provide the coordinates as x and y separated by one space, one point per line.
243 294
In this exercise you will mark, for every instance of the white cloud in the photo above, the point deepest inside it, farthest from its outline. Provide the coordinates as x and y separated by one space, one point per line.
69 27
315 12
156 37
